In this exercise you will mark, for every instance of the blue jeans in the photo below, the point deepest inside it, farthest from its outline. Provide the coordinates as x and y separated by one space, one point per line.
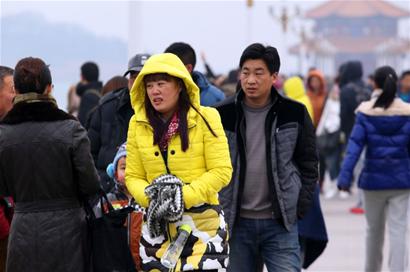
252 238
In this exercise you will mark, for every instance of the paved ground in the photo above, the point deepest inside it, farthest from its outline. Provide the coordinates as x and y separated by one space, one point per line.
345 250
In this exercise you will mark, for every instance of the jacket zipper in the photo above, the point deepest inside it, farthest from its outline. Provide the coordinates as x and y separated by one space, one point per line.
286 126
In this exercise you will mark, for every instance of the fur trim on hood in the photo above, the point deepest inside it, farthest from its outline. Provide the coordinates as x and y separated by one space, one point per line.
397 108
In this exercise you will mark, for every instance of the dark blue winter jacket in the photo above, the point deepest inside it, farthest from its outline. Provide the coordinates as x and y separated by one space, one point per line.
386 136
210 94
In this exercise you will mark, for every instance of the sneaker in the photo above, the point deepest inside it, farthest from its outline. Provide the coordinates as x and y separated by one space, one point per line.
357 210
330 193
344 195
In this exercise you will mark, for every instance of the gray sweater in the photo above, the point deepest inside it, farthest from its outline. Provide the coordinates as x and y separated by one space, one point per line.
256 203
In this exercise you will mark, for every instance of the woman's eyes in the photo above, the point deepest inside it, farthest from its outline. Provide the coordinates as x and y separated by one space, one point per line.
157 83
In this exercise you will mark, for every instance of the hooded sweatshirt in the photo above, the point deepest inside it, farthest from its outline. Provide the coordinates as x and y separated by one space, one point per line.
316 98
352 92
295 90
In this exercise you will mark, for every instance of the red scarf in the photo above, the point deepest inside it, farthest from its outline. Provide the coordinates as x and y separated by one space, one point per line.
171 131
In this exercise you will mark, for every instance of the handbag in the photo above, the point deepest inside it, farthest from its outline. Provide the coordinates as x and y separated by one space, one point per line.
108 234
328 141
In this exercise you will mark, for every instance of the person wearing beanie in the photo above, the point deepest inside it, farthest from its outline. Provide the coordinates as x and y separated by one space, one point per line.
120 198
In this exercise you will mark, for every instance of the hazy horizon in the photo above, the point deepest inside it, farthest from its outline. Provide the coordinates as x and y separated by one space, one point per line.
221 29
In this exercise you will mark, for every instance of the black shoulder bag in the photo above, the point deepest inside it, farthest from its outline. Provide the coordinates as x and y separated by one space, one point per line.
109 243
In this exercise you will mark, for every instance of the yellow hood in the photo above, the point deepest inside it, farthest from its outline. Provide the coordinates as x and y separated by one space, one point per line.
163 63
294 88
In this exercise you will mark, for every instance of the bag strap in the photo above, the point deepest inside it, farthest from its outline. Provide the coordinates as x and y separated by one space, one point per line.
101 197
104 197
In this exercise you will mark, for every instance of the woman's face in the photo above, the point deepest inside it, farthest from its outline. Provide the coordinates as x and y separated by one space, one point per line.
163 96
315 83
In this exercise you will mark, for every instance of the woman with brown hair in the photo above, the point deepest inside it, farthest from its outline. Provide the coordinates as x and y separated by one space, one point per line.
46 166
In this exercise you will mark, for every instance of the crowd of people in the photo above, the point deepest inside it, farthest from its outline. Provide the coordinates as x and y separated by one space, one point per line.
241 159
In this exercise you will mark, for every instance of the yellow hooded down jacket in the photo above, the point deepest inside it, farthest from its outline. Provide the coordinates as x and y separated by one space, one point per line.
294 89
205 168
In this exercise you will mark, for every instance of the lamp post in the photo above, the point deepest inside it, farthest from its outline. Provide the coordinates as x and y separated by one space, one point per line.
134 27
249 4
288 24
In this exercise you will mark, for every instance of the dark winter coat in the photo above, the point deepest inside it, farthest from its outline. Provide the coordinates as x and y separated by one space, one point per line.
386 136
352 92
108 130
46 166
292 161
90 95
312 230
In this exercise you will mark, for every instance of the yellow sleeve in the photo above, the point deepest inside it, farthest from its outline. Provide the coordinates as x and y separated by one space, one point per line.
217 159
135 175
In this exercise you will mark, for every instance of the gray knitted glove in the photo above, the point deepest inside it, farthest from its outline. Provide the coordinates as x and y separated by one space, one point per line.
166 203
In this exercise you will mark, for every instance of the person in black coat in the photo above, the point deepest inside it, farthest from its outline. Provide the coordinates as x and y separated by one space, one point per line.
109 122
353 91
46 166
89 90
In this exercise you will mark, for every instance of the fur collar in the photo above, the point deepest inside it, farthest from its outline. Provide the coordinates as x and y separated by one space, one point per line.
35 108
397 108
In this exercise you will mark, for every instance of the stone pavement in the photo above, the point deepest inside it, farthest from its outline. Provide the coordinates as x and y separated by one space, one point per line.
346 231
346 248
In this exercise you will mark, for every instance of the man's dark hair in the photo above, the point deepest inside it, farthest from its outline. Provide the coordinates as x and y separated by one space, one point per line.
4 71
89 71
268 54
184 51
404 74
31 75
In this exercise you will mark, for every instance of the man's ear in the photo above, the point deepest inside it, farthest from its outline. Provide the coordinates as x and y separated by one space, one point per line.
274 77
48 89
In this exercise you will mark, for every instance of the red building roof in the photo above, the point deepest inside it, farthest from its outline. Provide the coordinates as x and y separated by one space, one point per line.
353 9
357 45
345 44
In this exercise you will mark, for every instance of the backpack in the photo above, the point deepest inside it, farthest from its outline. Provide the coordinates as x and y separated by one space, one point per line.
362 93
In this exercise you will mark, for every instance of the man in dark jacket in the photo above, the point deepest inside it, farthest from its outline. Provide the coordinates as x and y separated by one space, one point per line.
210 95
109 123
273 151
89 90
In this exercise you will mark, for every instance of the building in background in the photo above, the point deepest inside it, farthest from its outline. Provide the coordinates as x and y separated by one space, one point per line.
354 30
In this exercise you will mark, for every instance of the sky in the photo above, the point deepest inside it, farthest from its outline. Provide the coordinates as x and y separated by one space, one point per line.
221 29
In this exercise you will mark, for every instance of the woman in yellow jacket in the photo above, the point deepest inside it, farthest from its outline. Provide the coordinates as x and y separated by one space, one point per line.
170 133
